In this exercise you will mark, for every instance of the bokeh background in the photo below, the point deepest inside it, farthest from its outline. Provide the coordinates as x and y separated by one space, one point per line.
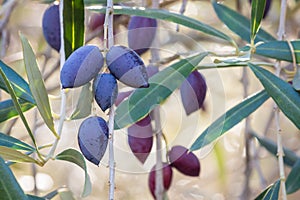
222 163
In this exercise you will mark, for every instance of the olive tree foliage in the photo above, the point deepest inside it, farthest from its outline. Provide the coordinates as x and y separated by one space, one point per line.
251 48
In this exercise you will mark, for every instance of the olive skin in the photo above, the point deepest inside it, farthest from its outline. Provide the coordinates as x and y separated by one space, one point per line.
141 33
185 162
106 90
51 26
81 66
93 138
127 66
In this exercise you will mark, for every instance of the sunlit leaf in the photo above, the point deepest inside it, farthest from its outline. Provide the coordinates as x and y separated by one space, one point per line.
293 180
37 85
168 16
32 197
19 85
66 195
162 84
279 50
229 120
289 156
73 14
257 13
13 155
9 187
239 24
285 96
73 156
14 143
84 103
271 192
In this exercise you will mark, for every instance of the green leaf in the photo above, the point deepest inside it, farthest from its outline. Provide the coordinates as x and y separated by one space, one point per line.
285 96
73 14
31 197
162 84
14 143
19 85
9 187
239 24
74 156
17 105
296 79
8 110
293 180
66 195
279 50
257 13
37 85
168 16
271 192
84 103
230 119
15 156
289 156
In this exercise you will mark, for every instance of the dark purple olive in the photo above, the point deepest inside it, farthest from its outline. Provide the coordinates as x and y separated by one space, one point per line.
51 26
127 66
184 161
267 7
140 138
141 32
81 66
96 20
93 138
193 92
167 178
106 90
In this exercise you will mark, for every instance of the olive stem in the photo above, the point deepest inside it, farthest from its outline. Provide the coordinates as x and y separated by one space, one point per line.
108 43
280 153
62 92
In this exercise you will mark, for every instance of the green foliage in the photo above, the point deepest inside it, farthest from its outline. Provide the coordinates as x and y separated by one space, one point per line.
229 120
73 14
271 192
239 24
293 180
143 100
14 143
8 110
257 12
285 96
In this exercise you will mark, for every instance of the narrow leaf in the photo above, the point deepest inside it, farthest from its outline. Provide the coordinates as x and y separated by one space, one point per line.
19 85
73 156
15 156
271 192
239 24
293 180
8 110
9 187
289 156
168 16
279 50
257 13
229 120
14 143
37 85
73 14
84 103
31 197
17 105
162 84
285 96
66 195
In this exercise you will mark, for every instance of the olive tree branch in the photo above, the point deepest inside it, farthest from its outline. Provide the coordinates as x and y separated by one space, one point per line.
280 153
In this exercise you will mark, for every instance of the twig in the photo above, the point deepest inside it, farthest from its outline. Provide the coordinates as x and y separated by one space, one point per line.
108 43
7 10
181 11
280 153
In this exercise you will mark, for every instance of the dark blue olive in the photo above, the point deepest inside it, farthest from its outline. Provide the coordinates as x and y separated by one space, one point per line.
141 32
51 26
106 90
81 66
93 138
193 92
127 66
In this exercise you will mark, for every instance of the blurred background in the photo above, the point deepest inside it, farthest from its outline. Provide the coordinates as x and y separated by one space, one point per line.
222 173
